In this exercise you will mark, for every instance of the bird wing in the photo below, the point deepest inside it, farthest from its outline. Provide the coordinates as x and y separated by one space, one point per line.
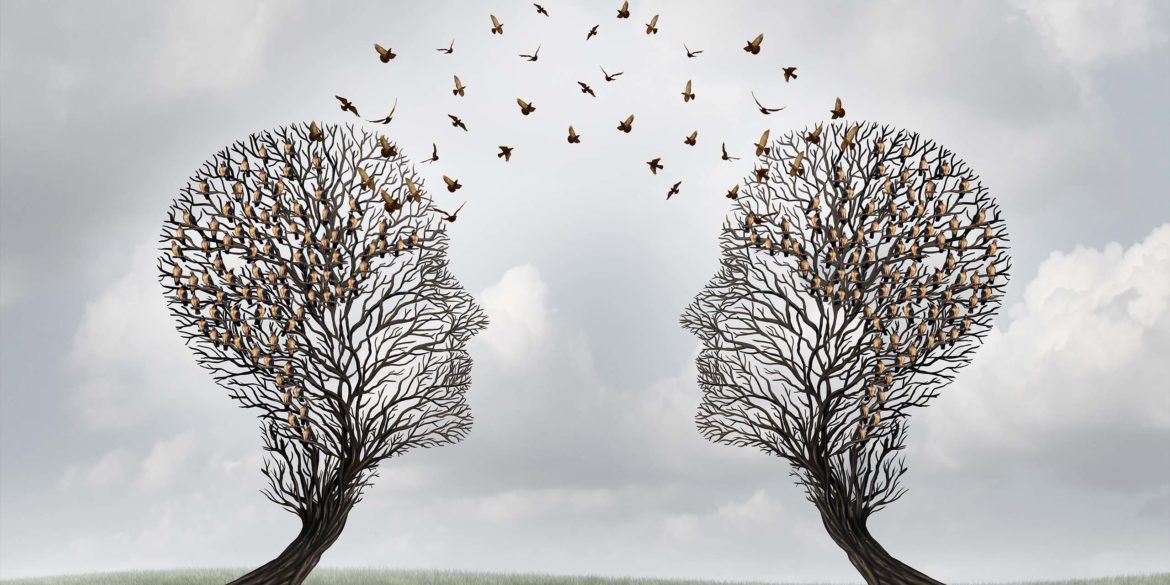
625 6
453 118
379 48
759 39
458 210
756 100
630 120
764 136
838 104
688 86
495 22
694 134
447 180
654 21
458 84
362 172
522 103
388 199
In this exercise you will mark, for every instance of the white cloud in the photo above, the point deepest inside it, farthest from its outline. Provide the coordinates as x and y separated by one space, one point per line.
1088 32
518 313
166 459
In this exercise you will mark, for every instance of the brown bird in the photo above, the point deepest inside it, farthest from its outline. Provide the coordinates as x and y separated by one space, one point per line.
761 174
367 182
673 190
391 204
415 195
687 94
388 150
691 54
753 47
347 106
525 107
450 49
789 74
534 56
505 153
586 89
389 117
540 9
733 193
726 156
624 11
459 87
384 54
762 145
456 122
451 217
837 111
814 136
654 166
315 132
652 26
574 138
452 184
609 77
434 154
497 28
850 135
763 110
592 32
627 125
690 140
797 168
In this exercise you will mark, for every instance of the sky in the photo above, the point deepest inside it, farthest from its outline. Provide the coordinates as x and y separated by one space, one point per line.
1046 459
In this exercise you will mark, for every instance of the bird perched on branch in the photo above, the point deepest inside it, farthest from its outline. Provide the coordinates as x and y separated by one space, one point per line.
586 89
652 26
385 55
624 11
450 49
762 145
347 106
456 122
763 110
627 125
574 138
505 153
837 111
315 133
389 117
654 166
534 56
592 32
497 28
525 107
687 94
789 74
753 46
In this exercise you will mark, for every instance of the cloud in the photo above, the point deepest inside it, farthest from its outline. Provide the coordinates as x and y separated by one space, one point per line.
1092 32
518 313
166 459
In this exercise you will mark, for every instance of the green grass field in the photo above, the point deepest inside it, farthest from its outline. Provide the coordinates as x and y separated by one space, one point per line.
389 577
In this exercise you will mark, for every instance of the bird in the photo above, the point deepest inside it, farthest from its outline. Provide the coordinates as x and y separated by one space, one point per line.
451 217
690 140
762 145
627 125
525 107
797 168
415 195
347 106
673 190
652 26
726 156
789 74
534 56
497 28
761 174
367 182
434 154
654 166
753 46
540 9
586 89
592 32
459 87
452 184
690 54
574 138
763 110
624 11
389 117
814 136
315 132
837 111
505 153
448 50
733 193
391 204
850 135
456 122
687 94
384 54
609 77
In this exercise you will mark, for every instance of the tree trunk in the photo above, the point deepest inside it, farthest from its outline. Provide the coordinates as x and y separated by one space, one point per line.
876 565
293 565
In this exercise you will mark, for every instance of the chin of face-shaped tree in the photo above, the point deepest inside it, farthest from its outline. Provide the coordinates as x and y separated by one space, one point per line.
858 275
307 271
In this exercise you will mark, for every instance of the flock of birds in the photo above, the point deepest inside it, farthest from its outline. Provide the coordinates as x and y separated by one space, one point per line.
753 47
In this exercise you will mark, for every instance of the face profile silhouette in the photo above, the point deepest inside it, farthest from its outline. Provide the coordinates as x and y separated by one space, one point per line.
858 275
307 270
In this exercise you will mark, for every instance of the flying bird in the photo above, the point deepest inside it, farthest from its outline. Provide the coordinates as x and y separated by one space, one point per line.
761 174
389 117
687 94
837 111
624 11
763 110
505 153
733 193
652 26
367 181
574 138
691 54
391 204
540 9
384 54
450 49
525 107
434 154
459 87
847 142
753 47
609 77
592 32
814 136
586 89
690 140
797 168
627 125
452 184
534 56
456 122
415 195
388 150
762 145
497 28
726 156
789 74
673 190
451 217
654 166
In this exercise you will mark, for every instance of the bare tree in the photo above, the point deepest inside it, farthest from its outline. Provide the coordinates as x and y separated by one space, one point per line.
307 270
857 278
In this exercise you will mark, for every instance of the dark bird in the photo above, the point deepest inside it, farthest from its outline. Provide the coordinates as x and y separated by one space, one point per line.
763 110
389 117
592 32
451 217
673 190
540 9
627 125
450 49
726 156
733 193
837 111
452 184
456 122
384 54
346 105
586 89
391 204
762 145
315 132
525 107
534 56
574 138
814 136
459 87
652 26
609 77
691 54
497 28
690 140
388 150
654 166
434 154
415 195
789 74
505 153
624 11
687 94
761 174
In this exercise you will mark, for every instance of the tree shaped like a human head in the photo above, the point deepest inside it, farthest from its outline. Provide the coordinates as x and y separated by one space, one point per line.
859 273
307 269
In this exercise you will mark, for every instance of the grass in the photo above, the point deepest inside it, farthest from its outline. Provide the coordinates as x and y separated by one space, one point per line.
393 577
